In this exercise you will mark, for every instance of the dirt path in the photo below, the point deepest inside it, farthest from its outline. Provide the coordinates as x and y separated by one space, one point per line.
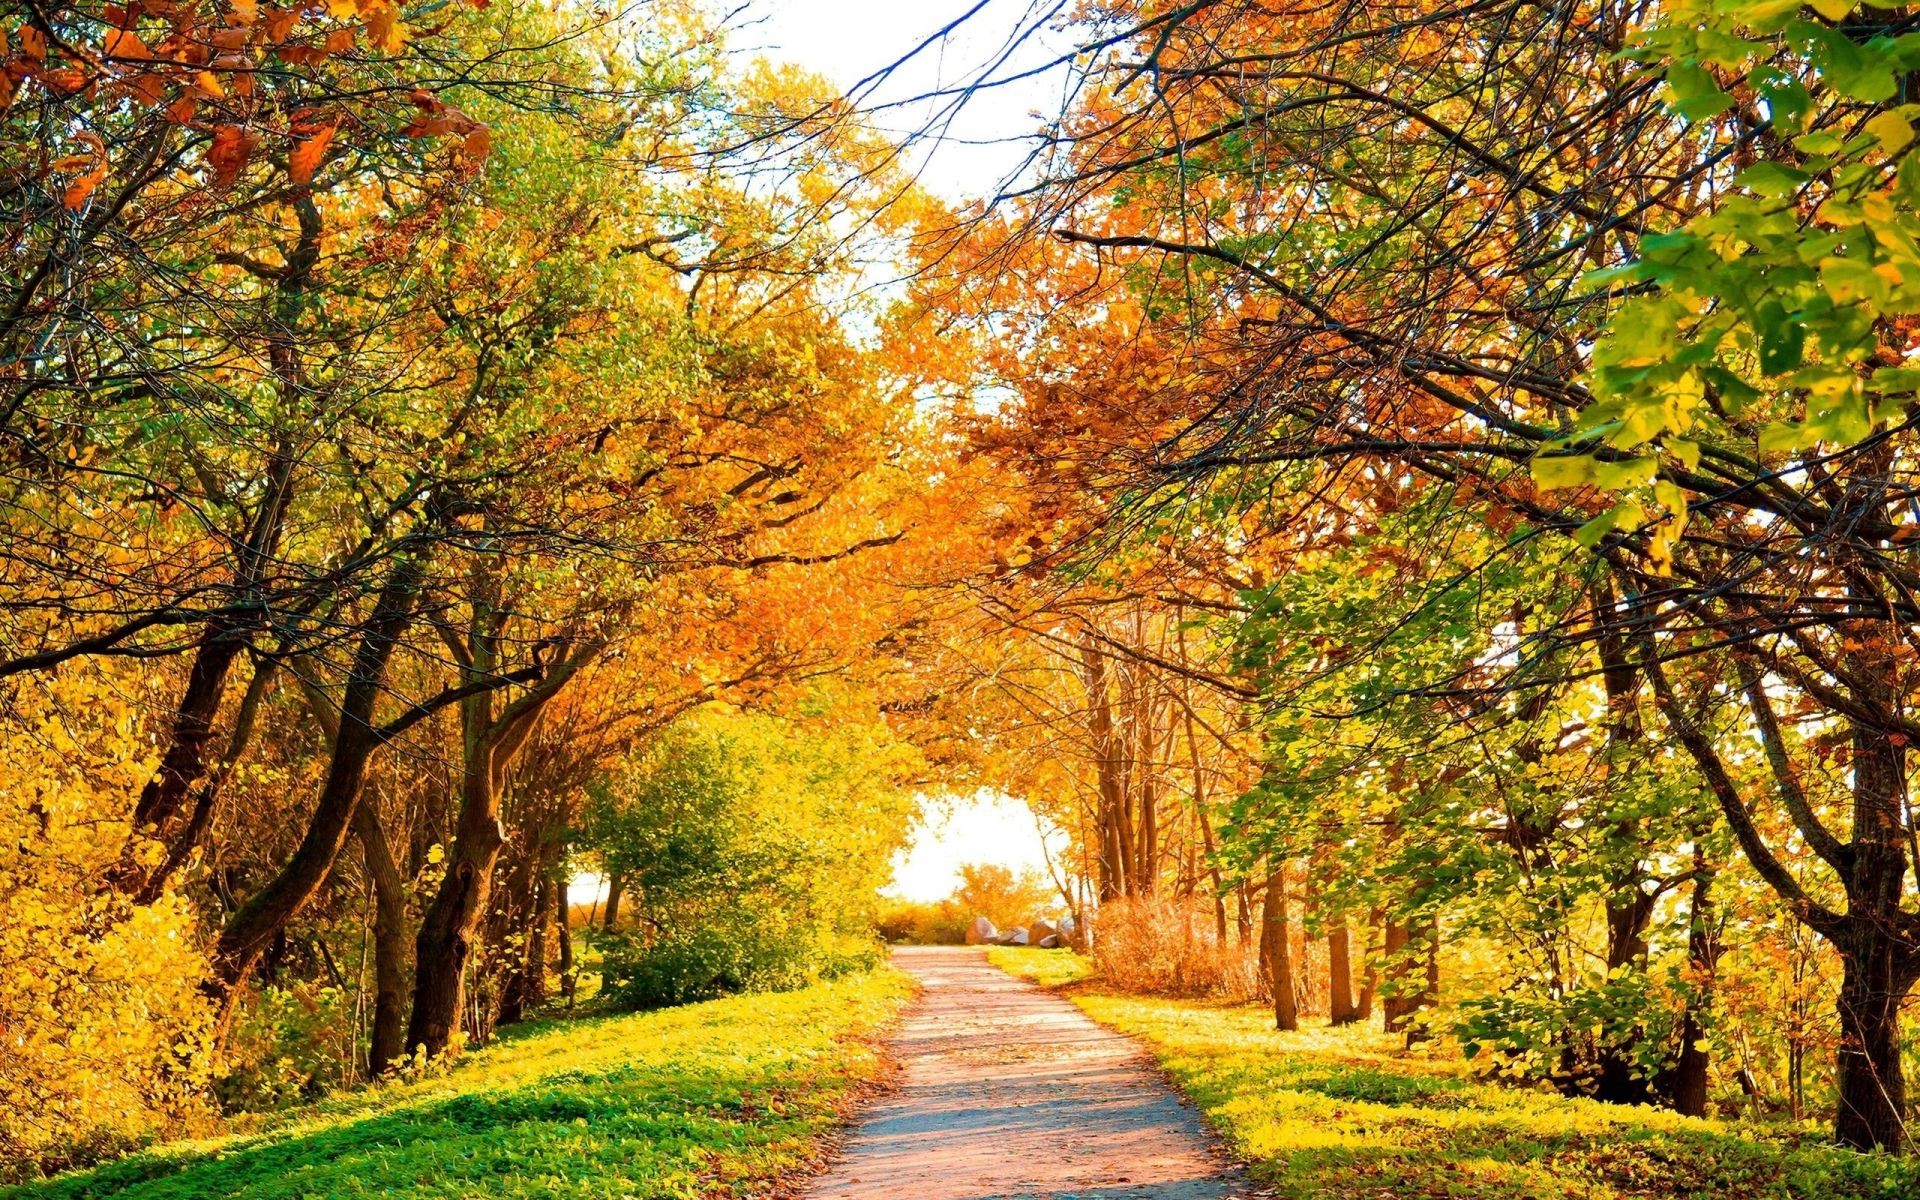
1009 1092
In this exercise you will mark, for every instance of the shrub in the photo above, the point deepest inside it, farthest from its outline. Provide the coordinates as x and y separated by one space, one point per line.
922 922
736 952
102 1025
1162 945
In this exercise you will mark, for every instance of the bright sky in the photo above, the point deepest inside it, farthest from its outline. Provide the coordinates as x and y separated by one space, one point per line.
984 828
848 40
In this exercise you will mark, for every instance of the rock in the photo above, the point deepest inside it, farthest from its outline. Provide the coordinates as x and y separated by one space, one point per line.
1018 938
981 932
1040 931
1050 942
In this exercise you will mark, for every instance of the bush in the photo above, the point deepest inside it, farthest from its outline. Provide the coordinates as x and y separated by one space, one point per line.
723 955
922 922
103 1030
1159 945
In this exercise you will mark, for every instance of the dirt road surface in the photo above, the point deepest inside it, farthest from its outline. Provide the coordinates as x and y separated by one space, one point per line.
1010 1093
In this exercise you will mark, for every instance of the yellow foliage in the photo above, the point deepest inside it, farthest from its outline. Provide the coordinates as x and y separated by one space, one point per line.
102 1026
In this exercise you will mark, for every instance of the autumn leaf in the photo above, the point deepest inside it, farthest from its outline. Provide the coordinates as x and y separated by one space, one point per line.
228 155
307 155
125 45
384 29
95 164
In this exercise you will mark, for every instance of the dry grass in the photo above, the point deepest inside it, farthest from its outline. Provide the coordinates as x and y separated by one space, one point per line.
1163 946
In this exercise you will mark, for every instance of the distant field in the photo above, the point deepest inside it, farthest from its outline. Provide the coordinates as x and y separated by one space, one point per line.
1342 1113
710 1100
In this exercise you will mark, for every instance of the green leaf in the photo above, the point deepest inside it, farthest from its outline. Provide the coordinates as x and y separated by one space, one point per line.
1783 435
1893 130
1852 281
1626 516
1693 93
1627 473
1772 179
1782 338
1563 470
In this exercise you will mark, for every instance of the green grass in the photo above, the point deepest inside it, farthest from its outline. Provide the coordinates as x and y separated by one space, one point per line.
710 1100
1345 1113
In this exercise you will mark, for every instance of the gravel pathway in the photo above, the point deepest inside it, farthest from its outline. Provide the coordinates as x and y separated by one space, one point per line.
1010 1093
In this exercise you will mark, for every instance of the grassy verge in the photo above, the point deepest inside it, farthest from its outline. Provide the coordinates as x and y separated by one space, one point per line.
711 1100
1324 1112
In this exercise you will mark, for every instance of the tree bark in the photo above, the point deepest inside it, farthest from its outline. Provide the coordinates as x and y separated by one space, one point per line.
1690 1069
1277 935
564 931
250 928
445 940
616 886
1341 1009
389 940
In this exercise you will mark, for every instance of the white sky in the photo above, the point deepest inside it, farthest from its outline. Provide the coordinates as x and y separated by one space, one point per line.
983 828
848 40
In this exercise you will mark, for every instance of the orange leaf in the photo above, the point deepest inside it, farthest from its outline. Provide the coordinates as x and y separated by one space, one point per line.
95 160
181 110
479 144
148 88
280 23
33 43
340 40
125 45
384 29
228 155
66 81
245 12
305 157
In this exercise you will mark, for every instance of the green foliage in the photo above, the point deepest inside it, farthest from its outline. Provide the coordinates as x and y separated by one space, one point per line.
713 1100
726 952
752 850
1330 1112
1770 307
1558 1037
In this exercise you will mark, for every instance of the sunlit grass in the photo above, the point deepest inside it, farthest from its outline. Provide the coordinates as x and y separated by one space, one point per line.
709 1100
1346 1113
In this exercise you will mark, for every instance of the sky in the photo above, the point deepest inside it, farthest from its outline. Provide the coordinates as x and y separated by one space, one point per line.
983 828
847 41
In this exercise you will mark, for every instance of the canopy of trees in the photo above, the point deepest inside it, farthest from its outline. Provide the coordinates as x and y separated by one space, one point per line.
1422 495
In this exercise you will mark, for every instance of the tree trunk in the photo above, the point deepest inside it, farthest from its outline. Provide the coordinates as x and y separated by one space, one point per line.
564 931
250 928
1703 955
445 940
489 744
1370 970
615 886
1872 1103
1341 1010
1408 999
389 941
1278 938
